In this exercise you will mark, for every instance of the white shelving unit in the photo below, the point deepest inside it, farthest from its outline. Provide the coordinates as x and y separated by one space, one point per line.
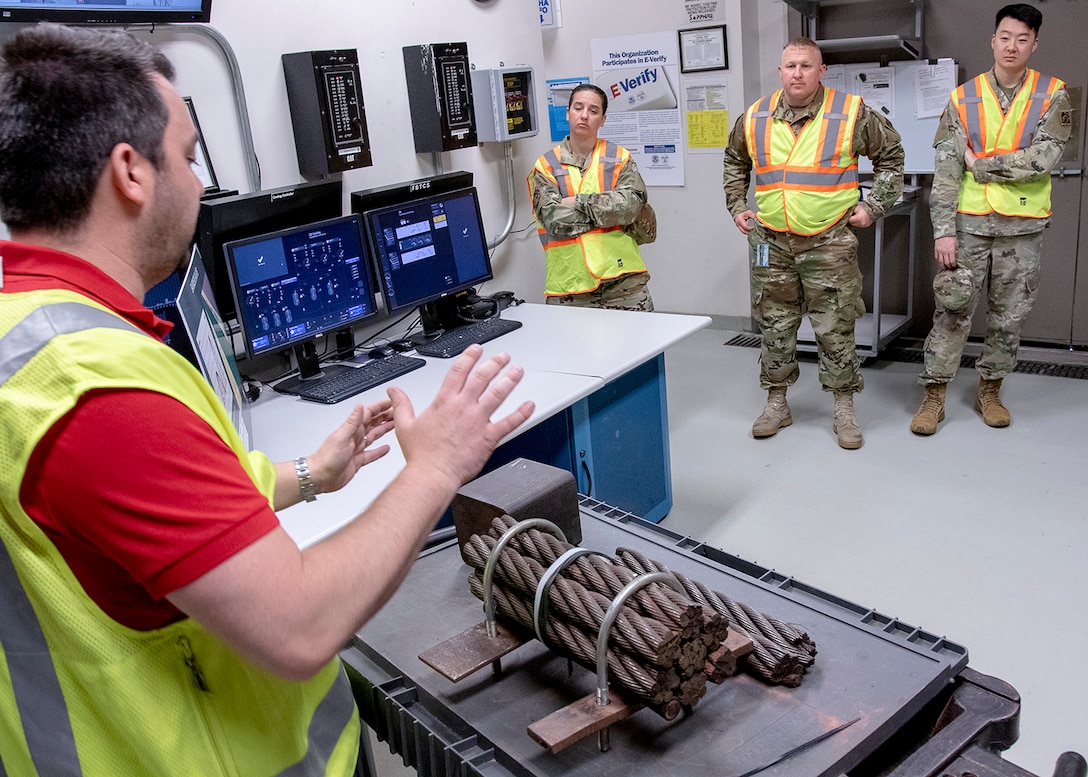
878 327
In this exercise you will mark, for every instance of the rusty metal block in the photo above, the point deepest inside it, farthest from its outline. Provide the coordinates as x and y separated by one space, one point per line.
521 489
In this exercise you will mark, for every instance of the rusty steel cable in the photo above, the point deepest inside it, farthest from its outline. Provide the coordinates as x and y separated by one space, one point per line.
633 633
781 652
660 644
785 636
595 574
653 688
660 604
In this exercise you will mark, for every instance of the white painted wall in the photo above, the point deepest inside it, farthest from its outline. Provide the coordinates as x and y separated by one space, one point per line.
699 260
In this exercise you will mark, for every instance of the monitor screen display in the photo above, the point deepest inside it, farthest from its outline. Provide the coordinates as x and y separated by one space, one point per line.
295 284
429 248
105 11
241 216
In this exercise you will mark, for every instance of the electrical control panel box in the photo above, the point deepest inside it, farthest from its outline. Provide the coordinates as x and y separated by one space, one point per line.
440 96
325 96
505 100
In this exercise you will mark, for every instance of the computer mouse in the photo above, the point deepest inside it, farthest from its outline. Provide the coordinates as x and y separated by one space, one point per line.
402 346
380 352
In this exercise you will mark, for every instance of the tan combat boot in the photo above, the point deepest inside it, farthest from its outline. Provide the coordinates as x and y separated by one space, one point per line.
931 411
846 425
775 416
988 402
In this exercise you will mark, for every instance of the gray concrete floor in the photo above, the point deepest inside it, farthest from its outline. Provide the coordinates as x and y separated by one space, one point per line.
977 534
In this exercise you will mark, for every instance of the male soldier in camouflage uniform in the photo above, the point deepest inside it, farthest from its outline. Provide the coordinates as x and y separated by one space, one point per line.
592 214
989 206
810 264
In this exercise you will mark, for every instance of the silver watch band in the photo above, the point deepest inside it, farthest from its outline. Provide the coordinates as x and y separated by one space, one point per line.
305 482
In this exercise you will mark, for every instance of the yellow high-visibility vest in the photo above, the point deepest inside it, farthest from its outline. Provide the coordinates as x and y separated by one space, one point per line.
80 694
578 264
991 132
804 183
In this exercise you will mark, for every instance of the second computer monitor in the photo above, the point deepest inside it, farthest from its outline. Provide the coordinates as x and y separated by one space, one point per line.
429 249
296 284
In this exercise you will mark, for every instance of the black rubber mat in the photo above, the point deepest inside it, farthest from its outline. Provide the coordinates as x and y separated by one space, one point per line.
914 356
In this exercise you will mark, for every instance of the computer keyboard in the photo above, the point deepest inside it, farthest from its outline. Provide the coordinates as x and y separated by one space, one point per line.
456 340
340 381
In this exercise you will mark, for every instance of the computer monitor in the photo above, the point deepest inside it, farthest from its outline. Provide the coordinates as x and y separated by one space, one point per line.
241 216
105 11
293 286
429 252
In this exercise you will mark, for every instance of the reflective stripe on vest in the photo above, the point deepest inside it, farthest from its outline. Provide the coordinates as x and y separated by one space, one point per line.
1028 106
39 698
326 727
804 183
607 160
608 170
34 679
992 132
30 335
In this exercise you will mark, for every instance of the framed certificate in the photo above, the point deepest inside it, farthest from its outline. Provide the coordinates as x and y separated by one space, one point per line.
704 48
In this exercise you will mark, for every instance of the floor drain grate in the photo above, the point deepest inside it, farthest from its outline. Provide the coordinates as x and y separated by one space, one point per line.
915 356
745 341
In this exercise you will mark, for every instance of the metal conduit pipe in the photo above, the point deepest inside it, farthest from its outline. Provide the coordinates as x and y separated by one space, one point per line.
253 170
511 203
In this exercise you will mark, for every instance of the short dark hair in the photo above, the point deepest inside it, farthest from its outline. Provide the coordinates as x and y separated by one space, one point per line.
68 96
803 42
590 88
1022 12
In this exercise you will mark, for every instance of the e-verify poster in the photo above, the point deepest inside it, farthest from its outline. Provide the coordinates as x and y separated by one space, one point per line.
641 76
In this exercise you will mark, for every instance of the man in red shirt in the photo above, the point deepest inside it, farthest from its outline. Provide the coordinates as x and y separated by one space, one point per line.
174 525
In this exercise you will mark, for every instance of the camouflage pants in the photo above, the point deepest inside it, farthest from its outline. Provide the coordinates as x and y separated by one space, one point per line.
792 277
1010 267
627 292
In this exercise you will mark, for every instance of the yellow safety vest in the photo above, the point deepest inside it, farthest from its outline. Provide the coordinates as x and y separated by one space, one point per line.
81 694
578 264
804 183
991 132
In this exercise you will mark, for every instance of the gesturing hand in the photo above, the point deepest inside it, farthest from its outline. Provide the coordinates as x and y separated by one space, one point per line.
454 435
347 449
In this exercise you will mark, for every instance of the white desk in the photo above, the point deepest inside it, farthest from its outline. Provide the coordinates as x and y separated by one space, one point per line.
586 341
569 355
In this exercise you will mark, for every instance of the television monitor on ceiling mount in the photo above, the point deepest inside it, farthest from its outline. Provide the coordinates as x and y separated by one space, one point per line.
119 12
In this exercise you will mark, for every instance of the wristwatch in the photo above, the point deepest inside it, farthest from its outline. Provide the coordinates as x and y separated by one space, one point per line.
305 482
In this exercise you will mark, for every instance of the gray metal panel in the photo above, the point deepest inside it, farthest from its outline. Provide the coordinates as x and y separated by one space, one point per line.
1061 53
869 667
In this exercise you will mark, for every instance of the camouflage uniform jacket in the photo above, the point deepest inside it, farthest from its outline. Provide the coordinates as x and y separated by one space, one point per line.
618 207
874 137
950 145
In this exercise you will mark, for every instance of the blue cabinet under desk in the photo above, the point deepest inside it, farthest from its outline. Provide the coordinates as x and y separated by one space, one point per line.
615 442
